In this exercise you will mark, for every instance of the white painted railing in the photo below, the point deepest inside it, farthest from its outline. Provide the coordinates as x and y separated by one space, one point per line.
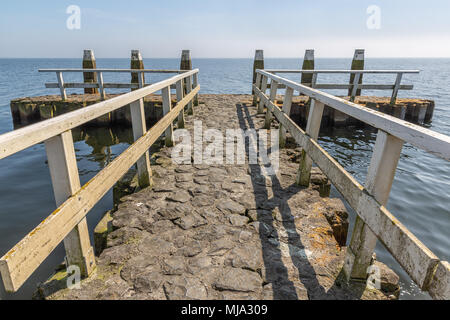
100 84
357 80
68 222
374 222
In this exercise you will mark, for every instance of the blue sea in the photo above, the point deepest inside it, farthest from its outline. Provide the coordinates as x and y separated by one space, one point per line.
420 195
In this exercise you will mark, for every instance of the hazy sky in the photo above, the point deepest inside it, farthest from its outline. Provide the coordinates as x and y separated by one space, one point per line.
226 28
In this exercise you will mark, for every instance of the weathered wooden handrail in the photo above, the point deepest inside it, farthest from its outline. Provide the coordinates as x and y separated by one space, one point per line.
68 221
355 86
373 221
100 84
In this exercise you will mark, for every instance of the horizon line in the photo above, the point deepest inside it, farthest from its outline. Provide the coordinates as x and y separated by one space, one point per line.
323 57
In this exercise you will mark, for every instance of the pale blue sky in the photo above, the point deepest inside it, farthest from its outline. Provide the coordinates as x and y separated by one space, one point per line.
228 28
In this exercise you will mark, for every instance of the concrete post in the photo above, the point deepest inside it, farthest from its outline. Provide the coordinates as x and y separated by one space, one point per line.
357 64
308 64
258 63
137 63
89 77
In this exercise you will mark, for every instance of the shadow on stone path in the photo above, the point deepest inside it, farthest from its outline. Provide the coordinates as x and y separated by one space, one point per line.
221 231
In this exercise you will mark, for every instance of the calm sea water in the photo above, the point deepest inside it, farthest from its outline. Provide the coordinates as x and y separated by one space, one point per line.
420 193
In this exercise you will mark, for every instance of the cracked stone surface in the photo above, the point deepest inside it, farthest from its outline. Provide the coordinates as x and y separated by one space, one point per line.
223 231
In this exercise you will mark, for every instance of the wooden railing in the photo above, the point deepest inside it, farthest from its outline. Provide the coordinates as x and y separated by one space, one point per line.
357 84
68 222
373 220
100 84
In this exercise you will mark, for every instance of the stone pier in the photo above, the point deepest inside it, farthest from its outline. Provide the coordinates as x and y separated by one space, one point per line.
223 231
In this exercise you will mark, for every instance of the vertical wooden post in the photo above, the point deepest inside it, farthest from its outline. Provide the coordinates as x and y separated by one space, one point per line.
180 94
89 77
186 64
258 63
139 129
312 129
66 182
137 63
308 64
264 81
195 84
61 86
380 176
357 64
167 106
398 80
100 85
287 110
272 97
190 109
258 84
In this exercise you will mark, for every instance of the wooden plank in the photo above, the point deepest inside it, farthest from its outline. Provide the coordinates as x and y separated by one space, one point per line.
180 94
20 262
312 130
439 287
61 86
63 168
380 177
100 85
355 86
398 80
114 70
188 82
167 106
430 141
23 138
258 84
417 260
287 103
195 83
340 71
337 86
273 95
264 81
139 129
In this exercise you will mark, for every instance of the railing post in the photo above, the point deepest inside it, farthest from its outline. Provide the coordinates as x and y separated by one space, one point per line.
89 77
258 84
312 130
355 89
195 83
272 97
100 85
190 109
137 63
380 176
258 63
357 64
66 182
314 80
308 64
61 86
180 91
264 81
287 103
167 106
139 129
398 80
